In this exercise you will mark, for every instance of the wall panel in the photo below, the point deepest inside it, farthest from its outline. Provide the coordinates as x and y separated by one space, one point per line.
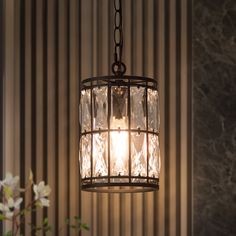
50 47
1 89
214 117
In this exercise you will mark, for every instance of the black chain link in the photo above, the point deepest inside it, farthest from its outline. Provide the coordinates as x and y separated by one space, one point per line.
118 67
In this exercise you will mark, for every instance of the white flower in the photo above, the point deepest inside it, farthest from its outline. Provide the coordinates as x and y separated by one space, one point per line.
42 191
11 205
10 181
10 185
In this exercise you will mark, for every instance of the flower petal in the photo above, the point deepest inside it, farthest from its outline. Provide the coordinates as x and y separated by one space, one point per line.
10 202
2 207
45 202
9 214
18 202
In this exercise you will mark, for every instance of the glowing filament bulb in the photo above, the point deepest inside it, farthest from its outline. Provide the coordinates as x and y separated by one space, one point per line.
119 147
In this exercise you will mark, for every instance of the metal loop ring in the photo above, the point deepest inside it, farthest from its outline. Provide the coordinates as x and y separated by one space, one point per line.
117 19
118 68
118 37
117 5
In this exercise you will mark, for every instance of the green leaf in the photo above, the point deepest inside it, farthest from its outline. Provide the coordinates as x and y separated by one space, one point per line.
47 228
7 191
84 226
67 221
45 221
73 226
77 218
9 233
31 176
38 228
2 217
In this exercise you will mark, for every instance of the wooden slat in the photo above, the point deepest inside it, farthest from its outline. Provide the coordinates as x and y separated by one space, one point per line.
137 65
17 90
159 72
172 132
62 157
184 119
27 101
148 69
2 59
103 68
86 70
74 198
39 102
51 96
9 86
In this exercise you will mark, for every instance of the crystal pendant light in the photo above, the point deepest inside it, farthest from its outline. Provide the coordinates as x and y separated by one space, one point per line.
119 119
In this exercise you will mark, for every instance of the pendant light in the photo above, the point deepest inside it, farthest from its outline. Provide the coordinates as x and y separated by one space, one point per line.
119 121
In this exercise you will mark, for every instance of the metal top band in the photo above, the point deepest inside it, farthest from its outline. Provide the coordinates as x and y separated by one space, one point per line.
125 80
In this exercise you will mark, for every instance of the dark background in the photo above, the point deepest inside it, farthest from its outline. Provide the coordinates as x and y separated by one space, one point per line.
214 117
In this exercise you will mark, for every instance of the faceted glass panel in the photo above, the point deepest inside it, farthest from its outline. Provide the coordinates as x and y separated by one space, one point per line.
154 156
119 153
85 110
119 108
100 108
85 155
138 154
153 110
137 101
100 155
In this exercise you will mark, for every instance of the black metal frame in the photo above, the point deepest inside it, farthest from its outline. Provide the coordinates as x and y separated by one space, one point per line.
124 183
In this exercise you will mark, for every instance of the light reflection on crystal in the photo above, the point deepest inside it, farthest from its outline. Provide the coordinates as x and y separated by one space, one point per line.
85 113
119 107
85 163
137 100
119 153
153 110
100 155
138 154
100 108
154 156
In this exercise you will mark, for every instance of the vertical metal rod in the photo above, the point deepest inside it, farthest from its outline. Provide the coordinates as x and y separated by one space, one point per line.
108 123
147 138
79 98
129 127
91 111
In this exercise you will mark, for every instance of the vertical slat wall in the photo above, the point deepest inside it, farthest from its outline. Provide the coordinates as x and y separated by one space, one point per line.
1 90
52 44
41 79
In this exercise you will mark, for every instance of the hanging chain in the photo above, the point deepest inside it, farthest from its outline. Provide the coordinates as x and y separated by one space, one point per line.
118 67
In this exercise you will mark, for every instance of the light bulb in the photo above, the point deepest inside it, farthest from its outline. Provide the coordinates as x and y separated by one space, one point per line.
119 147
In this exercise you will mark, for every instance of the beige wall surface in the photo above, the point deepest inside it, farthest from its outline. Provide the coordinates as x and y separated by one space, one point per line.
50 45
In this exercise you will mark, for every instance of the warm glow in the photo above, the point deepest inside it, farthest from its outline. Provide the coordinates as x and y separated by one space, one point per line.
119 147
119 143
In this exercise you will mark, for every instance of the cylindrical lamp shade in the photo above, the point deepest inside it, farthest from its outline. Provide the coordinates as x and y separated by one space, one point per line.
119 141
